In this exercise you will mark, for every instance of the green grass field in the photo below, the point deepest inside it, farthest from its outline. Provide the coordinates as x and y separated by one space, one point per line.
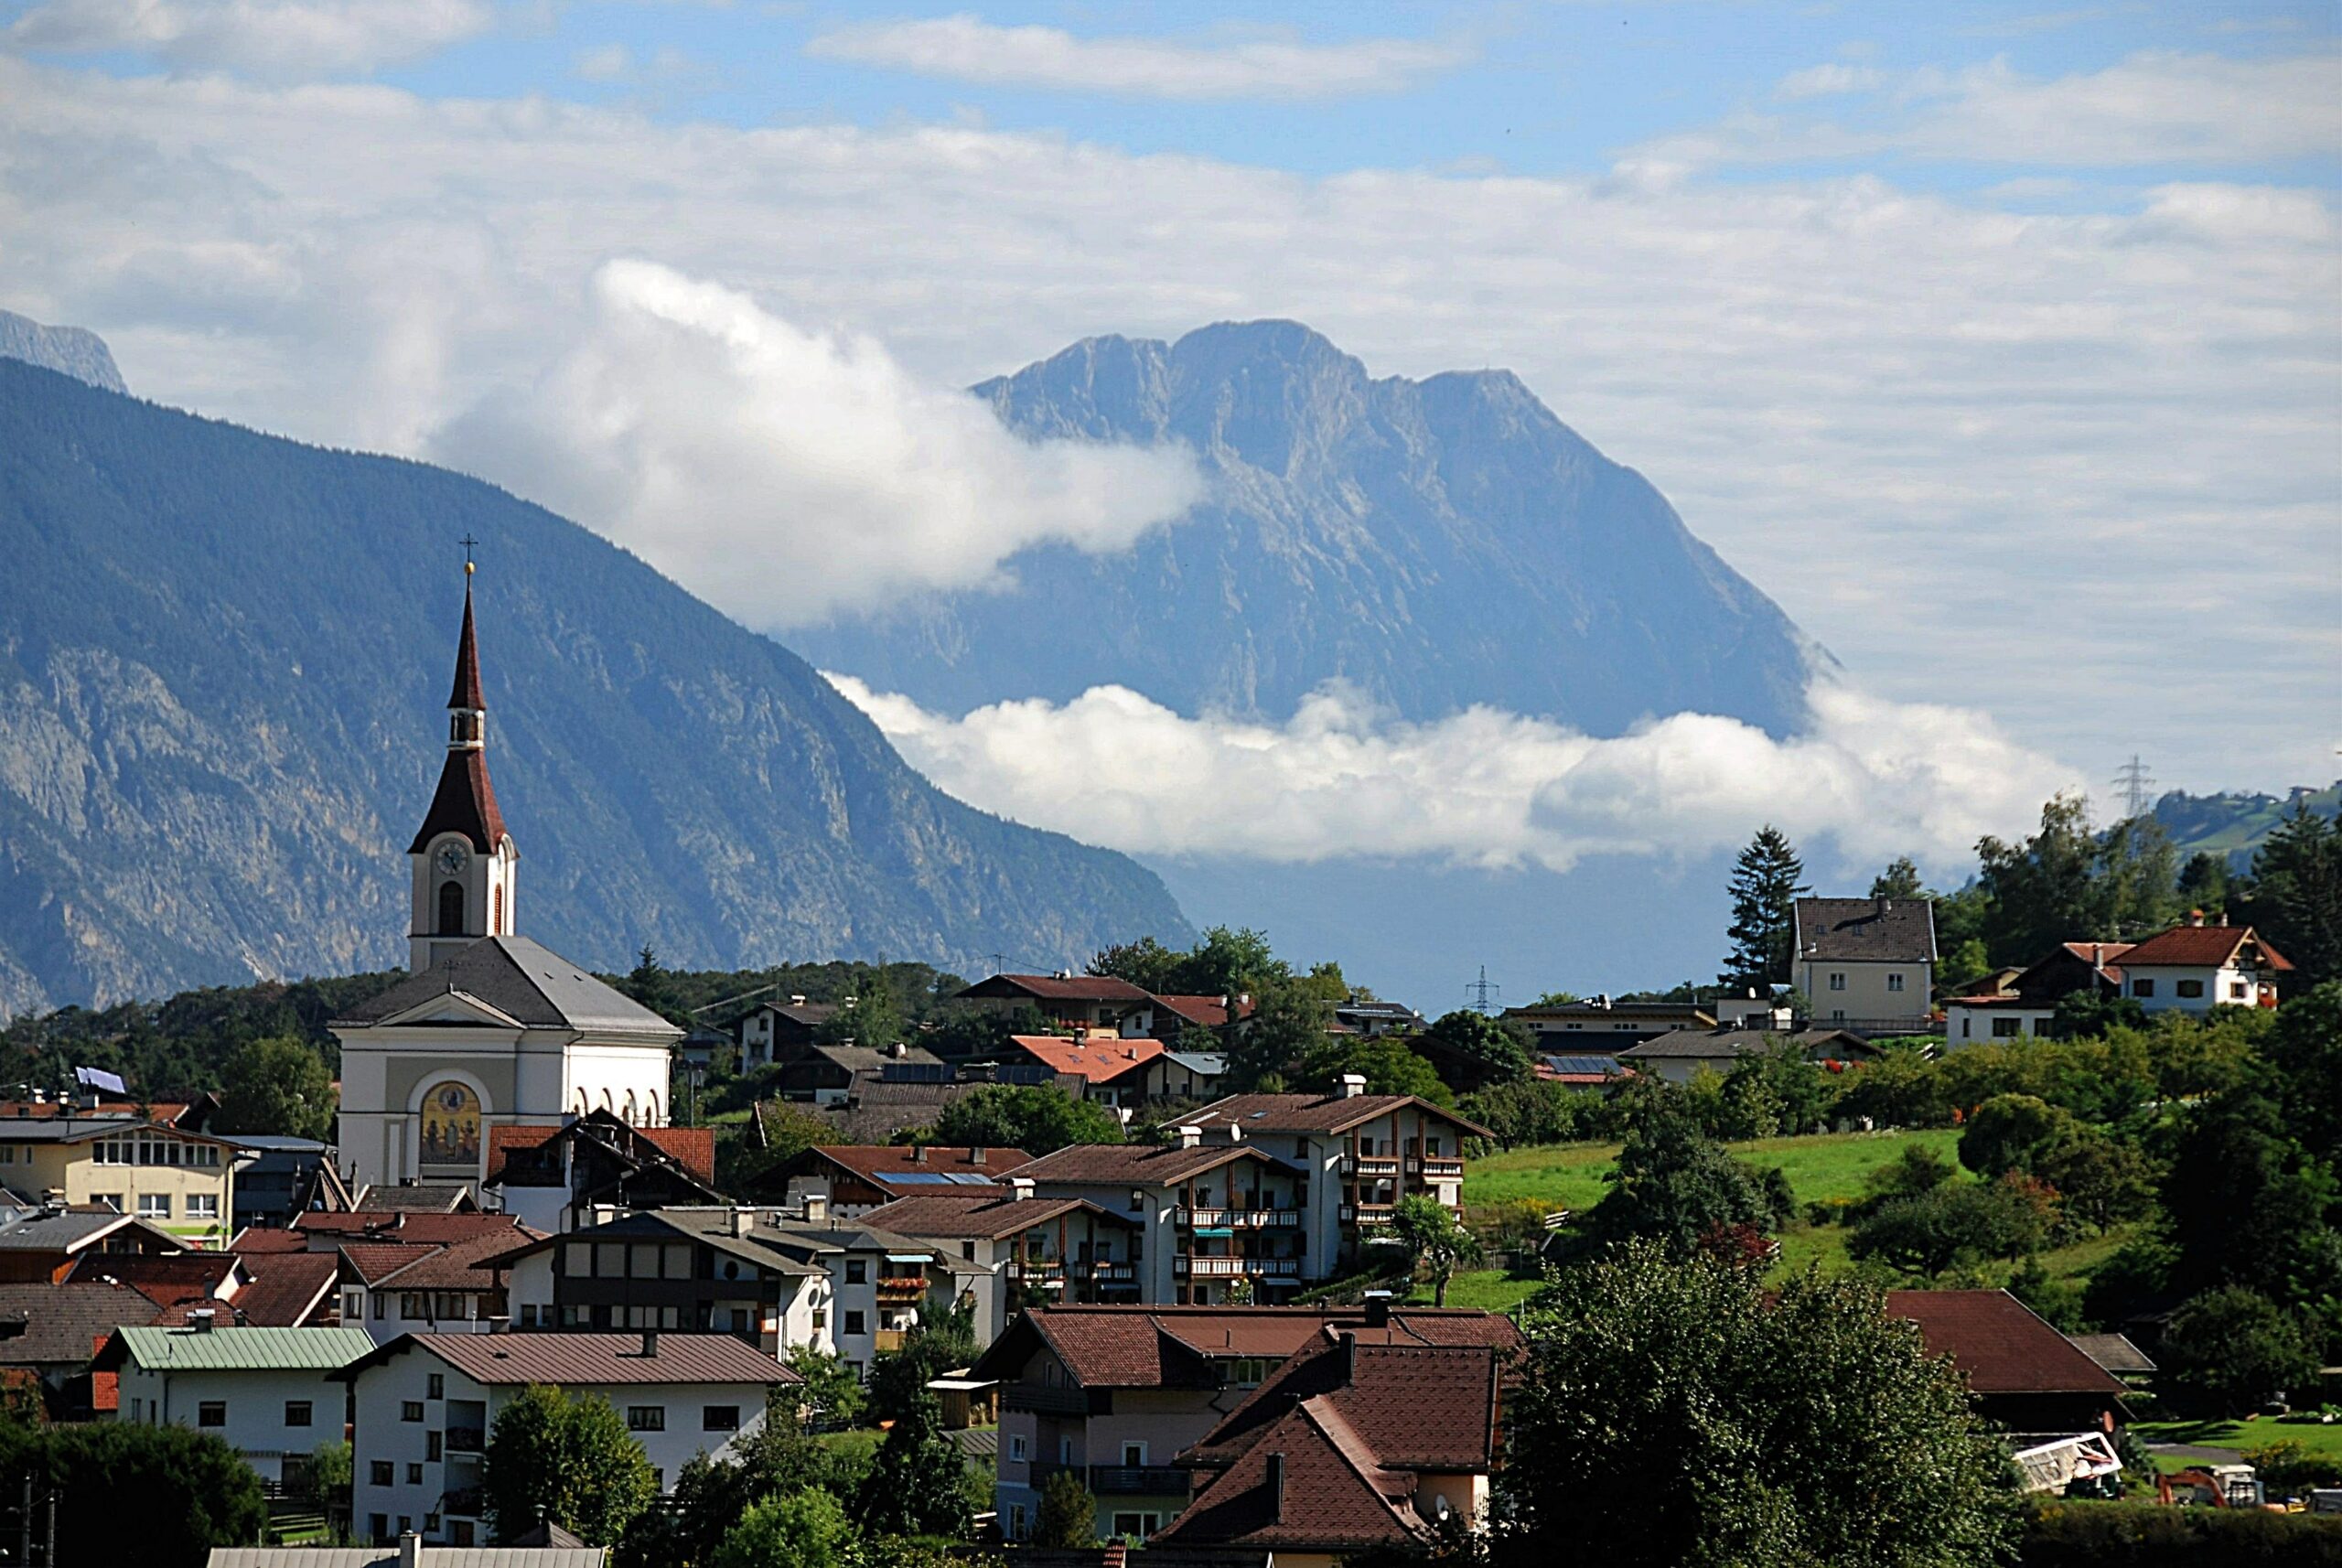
2325 1441
1571 1176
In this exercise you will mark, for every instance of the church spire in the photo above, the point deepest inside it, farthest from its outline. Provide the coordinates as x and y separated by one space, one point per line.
463 856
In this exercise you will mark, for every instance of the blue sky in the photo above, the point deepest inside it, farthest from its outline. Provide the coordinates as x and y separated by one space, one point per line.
2001 344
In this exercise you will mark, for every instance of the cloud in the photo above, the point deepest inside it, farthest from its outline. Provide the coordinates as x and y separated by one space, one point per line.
785 474
2152 108
964 48
1340 781
2075 465
257 37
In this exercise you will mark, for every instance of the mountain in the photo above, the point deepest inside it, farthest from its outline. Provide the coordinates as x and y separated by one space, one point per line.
223 663
2232 825
1437 543
71 350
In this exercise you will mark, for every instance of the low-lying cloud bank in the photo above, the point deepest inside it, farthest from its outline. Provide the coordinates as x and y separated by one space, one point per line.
1341 779
785 474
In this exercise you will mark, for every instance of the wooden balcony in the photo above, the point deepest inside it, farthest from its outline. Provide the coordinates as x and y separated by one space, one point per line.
1041 1399
889 1338
1236 1268
1437 1167
1369 1164
1239 1218
895 1287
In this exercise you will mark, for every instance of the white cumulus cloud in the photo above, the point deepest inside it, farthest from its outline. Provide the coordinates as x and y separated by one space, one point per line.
965 47
783 474
259 37
1340 780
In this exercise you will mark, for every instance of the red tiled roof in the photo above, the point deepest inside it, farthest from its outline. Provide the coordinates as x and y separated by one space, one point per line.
105 1391
694 1148
261 1240
2206 947
591 1359
1055 988
286 1288
1418 1407
1317 1112
408 1225
1329 1493
172 1279
501 1141
1157 1347
2002 1347
458 1266
1205 1012
370 1262
1097 1059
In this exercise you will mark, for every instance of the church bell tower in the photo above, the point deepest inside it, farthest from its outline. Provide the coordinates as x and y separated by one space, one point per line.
463 858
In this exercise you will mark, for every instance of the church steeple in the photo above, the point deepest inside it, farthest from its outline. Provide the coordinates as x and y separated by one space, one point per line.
463 858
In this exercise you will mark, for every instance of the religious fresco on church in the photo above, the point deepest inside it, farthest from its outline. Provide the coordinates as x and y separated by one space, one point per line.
451 1125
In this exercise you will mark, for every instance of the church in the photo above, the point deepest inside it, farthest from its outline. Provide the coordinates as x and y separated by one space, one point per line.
490 1029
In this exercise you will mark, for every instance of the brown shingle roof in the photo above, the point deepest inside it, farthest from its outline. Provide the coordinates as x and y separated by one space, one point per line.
1054 988
1328 1493
460 1265
1315 1112
254 1241
1168 1347
407 1229
62 1324
911 1172
1418 1407
1867 930
1205 1012
1133 1165
977 1215
286 1288
590 1360
370 1262
2201 947
2002 1346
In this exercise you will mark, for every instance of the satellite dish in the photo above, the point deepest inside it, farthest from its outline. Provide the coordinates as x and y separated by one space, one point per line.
1442 1507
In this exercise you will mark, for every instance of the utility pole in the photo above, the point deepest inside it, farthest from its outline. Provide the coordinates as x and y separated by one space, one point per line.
2135 788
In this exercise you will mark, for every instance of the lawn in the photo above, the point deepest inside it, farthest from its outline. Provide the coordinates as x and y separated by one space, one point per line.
2322 1441
1571 1176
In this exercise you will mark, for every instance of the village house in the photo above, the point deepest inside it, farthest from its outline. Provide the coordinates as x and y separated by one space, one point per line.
1372 1020
855 1179
2022 1004
1599 1025
548 1177
46 1243
50 1332
1109 1069
1222 1016
269 1393
451 1287
1189 1076
1079 1003
2023 1375
1367 1439
1677 1057
2194 968
779 1031
282 1177
697 1271
181 1181
1020 1250
1867 965
423 1405
1115 1394
288 1284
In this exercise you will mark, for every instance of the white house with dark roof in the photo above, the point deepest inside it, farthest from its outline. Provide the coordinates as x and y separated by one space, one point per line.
1868 963
493 1029
423 1405
1008 1252
1679 1057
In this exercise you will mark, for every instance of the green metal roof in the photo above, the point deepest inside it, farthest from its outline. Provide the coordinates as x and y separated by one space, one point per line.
245 1349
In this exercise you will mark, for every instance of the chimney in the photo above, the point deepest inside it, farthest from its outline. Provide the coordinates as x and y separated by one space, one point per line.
1882 905
1019 1188
410 1550
1353 1085
1190 1135
975 1156
1378 1309
742 1221
650 1343
2194 917
919 1153
898 1050
817 1207
200 1319
796 1001
1276 1489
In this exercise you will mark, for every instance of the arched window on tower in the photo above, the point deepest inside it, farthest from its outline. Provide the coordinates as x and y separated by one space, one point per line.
451 909
496 927
631 1120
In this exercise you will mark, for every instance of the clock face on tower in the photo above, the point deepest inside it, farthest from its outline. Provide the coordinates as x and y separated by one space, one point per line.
453 858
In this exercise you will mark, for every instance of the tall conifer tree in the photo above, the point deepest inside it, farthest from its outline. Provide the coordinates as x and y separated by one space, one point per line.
1765 889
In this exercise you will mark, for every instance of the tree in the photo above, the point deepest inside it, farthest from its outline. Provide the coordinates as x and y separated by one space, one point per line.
1434 1241
2087 1015
566 1459
1675 1186
159 1495
1145 963
277 1085
1670 1412
1472 1050
918 1480
2234 1349
1284 1024
2039 891
1386 1064
325 1484
712 1495
2297 874
1036 1117
872 1018
1068 1520
806 1529
2098 1177
652 986
1776 1091
1915 1173
1535 1111
1956 1222
1899 880
2304 1052
2007 1130
1766 886
2247 1205
1228 962
943 1341
830 1394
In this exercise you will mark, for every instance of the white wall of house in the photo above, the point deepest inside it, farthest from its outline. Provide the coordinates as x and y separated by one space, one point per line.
528 1288
1978 1026
255 1412
1841 989
2174 988
404 1418
389 1310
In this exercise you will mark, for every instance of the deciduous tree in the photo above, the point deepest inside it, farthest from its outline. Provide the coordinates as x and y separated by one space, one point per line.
1435 1242
277 1085
567 1459
1036 1117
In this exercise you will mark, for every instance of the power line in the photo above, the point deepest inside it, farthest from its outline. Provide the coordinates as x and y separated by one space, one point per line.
1483 993
2135 786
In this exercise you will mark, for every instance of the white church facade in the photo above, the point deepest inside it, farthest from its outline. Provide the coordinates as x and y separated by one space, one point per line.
490 1029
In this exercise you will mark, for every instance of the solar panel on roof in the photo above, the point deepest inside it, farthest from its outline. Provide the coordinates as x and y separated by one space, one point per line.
917 1179
1604 1065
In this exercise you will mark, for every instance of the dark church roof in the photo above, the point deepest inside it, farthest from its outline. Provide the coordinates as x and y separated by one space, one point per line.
465 692
463 803
525 980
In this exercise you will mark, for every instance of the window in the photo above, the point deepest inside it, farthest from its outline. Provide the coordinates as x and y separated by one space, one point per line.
1895 981
296 1412
107 1200
821 1319
410 1409
2237 990
853 1323
1065 1450
1133 1455
413 1473
1837 979
203 1206
381 1306
211 1412
857 1271
377 1525
381 1475
1017 1446
1016 1521
719 1418
154 1206
2188 988
646 1418
967 1251
435 1386
460 1533
2143 988
451 909
433 1444
1139 1525
2007 1029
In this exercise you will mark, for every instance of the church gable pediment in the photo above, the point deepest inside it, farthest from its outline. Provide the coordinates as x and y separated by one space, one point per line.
451 1008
